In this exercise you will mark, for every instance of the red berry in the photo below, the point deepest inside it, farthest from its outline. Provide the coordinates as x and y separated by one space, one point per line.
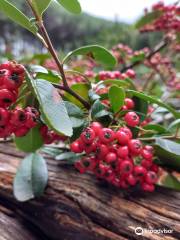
124 184
6 65
122 137
13 81
4 116
139 171
147 187
131 73
100 170
49 138
129 103
101 150
31 120
106 135
123 152
87 163
96 127
109 174
20 132
151 177
116 182
33 111
154 168
43 130
18 117
75 147
131 179
89 148
17 68
6 98
126 167
111 157
88 135
149 148
117 74
113 148
4 74
132 119
79 167
146 163
146 154
102 75
124 108
6 131
127 131
135 146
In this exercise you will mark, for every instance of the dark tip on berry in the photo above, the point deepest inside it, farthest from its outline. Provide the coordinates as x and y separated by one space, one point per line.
7 100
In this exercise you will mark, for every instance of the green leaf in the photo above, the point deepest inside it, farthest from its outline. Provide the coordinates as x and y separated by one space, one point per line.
116 97
168 152
93 96
52 151
155 127
41 5
148 18
68 156
155 100
120 83
98 110
81 89
76 114
31 142
178 37
31 178
17 16
52 106
141 106
175 123
50 76
171 182
98 53
38 69
138 58
72 6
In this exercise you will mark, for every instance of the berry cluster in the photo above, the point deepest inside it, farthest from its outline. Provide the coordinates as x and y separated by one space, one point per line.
116 157
125 55
18 121
104 75
168 20
49 136
164 66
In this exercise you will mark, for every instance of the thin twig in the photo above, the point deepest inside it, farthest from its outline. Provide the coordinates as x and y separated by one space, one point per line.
53 53
157 49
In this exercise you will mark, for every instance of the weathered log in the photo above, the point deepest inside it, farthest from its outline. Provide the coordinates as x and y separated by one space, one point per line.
79 207
14 227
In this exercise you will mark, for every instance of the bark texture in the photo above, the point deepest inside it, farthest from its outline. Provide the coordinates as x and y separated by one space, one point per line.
79 207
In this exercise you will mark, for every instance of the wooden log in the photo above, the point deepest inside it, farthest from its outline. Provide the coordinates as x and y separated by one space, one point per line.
79 207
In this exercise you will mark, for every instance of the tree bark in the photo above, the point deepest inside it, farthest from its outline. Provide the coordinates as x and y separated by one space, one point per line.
79 207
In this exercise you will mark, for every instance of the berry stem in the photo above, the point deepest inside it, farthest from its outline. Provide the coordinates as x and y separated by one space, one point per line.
53 53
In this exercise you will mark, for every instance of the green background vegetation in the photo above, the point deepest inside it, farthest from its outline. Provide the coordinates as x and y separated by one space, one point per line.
71 31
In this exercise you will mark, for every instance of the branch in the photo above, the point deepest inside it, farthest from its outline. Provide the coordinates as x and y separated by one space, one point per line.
53 53
157 49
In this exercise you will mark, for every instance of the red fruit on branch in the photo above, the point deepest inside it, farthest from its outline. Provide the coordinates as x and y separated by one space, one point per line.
132 119
88 135
129 103
4 116
106 135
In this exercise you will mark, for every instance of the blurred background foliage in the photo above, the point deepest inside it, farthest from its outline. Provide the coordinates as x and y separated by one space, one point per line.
70 31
